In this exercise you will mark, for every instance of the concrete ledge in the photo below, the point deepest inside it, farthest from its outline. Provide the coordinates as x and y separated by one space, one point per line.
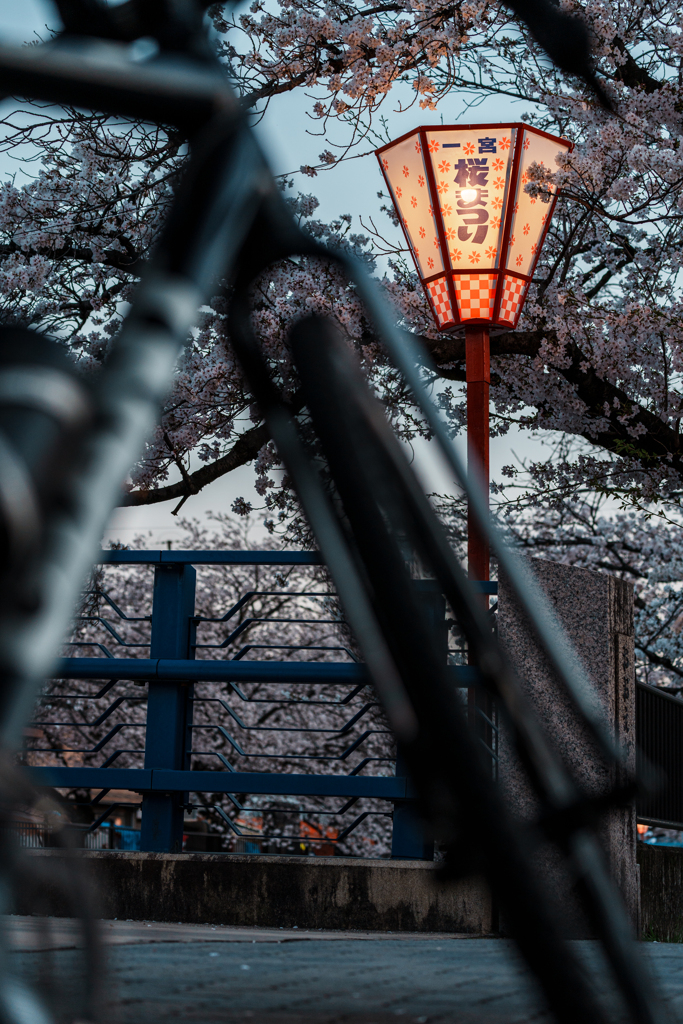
307 892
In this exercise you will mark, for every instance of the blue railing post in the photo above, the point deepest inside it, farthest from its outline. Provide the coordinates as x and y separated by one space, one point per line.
169 705
411 837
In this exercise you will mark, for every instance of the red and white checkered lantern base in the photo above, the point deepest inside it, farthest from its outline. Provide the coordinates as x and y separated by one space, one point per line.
474 233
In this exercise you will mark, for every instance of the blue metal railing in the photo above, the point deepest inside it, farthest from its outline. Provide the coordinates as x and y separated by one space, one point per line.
170 766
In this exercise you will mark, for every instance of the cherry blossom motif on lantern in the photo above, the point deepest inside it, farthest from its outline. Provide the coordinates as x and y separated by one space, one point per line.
421 181
399 192
406 172
479 169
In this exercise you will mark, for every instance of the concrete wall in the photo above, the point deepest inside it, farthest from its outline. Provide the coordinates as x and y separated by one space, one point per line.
596 610
325 892
310 892
321 892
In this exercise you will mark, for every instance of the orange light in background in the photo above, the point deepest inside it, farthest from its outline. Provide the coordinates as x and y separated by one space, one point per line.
642 829
313 832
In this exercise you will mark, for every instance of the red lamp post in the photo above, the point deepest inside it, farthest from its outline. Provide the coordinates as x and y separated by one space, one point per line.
475 236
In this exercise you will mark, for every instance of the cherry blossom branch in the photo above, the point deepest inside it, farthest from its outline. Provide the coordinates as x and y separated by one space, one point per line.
243 451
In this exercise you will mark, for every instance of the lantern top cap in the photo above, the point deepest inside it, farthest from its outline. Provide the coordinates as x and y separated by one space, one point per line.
471 127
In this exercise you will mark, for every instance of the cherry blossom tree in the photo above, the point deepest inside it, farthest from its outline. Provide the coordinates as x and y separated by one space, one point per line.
596 356
644 548
645 551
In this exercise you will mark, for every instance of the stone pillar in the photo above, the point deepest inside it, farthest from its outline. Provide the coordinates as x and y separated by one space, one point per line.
596 610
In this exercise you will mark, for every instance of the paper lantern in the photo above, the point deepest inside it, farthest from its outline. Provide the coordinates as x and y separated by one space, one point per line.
474 233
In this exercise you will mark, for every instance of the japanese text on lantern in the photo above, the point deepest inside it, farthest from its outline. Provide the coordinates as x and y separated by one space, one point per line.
472 179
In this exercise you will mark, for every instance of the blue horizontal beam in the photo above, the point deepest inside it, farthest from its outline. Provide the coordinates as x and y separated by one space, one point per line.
90 778
119 557
158 557
159 780
485 586
211 671
293 672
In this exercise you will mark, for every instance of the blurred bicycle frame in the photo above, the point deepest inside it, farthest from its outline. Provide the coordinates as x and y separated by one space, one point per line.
229 223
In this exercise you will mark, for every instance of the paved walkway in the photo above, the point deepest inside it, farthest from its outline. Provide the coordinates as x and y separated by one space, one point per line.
193 973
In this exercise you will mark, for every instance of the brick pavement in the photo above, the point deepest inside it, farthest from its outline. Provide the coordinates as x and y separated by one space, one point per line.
259 976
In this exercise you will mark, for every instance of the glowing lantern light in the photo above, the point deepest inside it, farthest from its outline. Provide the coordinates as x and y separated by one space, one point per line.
474 233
